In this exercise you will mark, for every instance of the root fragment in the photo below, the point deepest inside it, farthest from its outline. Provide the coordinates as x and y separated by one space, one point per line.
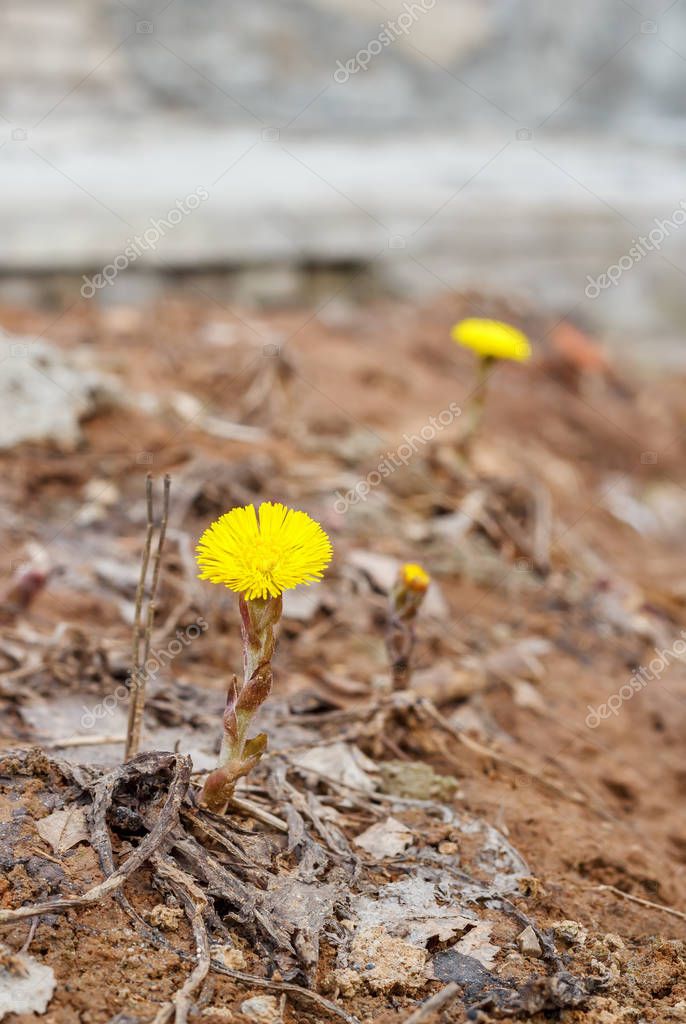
194 903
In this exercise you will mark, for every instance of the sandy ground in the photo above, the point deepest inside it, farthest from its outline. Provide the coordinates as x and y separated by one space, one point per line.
557 573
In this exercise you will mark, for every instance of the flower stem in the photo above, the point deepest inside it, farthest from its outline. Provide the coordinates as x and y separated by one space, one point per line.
405 601
475 409
239 754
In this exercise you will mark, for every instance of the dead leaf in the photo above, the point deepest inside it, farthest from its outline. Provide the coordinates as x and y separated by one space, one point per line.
476 943
385 839
26 986
64 829
444 682
527 696
416 780
409 909
341 762
520 660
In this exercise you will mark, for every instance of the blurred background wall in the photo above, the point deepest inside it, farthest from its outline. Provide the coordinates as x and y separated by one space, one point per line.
514 147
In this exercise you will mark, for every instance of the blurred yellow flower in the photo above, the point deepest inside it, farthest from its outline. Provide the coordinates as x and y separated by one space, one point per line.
492 339
260 554
413 577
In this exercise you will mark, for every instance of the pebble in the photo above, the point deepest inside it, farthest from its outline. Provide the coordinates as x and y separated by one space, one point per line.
570 932
528 944
231 957
263 1009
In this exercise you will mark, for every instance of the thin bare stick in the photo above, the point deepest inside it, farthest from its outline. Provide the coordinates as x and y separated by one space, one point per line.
79 741
543 521
138 677
638 899
435 1003
156 563
135 712
284 986
255 811
29 937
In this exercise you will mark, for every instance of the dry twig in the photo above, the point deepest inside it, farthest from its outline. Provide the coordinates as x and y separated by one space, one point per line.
254 810
194 903
138 659
288 987
436 1002
638 899
166 820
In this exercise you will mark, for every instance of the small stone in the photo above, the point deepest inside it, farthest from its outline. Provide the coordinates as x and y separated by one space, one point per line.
397 965
448 849
531 887
230 956
166 918
570 932
264 1009
44 394
528 943
347 982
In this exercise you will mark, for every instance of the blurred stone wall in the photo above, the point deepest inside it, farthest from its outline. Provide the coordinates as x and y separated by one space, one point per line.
450 65
499 144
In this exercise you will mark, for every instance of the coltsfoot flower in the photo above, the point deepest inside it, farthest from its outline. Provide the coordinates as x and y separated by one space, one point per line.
261 554
413 577
492 339
405 601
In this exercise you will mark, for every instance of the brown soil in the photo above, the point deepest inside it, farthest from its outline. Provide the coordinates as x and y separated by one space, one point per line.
587 807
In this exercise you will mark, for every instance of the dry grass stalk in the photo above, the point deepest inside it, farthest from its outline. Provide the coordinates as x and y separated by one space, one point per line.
141 637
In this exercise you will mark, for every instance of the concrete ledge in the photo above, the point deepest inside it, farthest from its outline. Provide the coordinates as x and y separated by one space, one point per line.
491 212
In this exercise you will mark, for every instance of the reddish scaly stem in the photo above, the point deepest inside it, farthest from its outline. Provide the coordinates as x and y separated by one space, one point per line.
238 755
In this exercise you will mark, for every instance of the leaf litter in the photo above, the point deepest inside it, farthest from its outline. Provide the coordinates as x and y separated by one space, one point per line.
277 892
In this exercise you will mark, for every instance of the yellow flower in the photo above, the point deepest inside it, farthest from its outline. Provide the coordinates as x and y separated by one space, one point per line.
413 577
492 339
260 554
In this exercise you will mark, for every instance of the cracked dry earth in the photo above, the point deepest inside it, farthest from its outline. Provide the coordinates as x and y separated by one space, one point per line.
498 830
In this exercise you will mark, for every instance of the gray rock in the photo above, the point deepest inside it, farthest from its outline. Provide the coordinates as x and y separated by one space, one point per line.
528 943
44 395
263 1009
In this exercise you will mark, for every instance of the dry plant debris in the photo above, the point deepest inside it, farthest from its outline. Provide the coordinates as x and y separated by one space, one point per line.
382 858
